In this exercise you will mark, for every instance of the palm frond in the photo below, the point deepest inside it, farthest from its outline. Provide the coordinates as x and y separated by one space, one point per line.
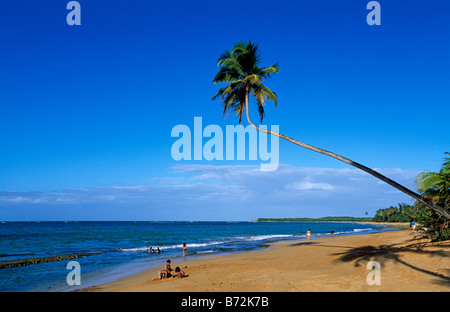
271 70
261 113
427 180
239 67
226 75
252 79
219 93
272 96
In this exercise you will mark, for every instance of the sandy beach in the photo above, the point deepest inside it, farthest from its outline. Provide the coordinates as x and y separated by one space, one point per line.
408 263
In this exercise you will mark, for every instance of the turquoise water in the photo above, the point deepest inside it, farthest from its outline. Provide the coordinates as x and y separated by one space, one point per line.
118 249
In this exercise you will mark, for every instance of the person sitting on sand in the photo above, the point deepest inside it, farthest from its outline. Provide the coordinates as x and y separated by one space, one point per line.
159 276
168 269
181 274
164 273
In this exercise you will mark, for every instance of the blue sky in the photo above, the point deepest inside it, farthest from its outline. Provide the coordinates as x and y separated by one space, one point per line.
87 111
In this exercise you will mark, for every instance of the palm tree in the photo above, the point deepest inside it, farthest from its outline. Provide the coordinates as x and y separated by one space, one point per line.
239 68
436 185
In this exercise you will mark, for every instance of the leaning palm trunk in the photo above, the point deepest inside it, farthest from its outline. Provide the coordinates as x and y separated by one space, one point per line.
421 199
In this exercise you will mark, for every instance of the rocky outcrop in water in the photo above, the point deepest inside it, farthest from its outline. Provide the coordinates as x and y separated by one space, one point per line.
30 261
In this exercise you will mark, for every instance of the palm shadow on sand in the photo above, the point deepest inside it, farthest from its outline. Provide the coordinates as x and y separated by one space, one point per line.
304 243
385 253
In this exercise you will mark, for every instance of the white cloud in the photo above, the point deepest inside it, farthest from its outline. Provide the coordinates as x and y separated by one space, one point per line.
311 186
20 199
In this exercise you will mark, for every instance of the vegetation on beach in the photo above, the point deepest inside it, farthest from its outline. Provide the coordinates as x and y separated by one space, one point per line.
402 213
435 186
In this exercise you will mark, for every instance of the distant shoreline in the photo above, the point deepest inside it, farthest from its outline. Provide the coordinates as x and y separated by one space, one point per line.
398 225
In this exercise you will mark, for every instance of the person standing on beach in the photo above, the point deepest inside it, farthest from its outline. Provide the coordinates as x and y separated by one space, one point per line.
184 250
308 233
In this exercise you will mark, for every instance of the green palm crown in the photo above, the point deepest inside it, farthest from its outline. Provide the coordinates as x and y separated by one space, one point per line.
239 67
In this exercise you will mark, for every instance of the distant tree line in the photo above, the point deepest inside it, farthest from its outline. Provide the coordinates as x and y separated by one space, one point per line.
402 213
323 219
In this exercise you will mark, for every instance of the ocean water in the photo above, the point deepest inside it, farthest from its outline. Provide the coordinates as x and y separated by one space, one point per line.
118 249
